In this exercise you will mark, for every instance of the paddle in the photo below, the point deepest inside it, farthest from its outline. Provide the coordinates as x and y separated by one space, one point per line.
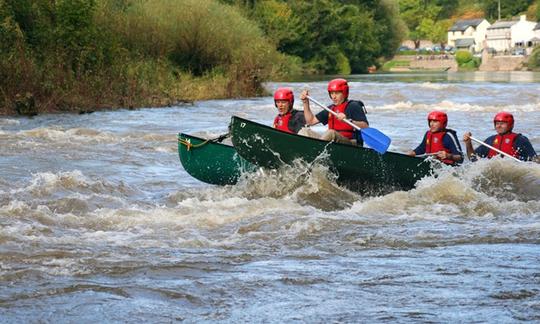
495 149
426 155
374 138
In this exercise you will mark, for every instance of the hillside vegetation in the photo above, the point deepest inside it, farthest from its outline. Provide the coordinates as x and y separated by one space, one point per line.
73 55
81 55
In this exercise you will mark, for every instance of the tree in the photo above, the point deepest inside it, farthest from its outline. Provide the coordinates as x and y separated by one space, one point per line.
278 22
509 8
419 15
390 29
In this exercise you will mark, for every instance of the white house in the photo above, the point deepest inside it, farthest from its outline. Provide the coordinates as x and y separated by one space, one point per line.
536 39
468 34
505 35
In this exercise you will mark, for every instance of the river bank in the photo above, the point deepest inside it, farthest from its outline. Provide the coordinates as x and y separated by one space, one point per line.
447 62
171 91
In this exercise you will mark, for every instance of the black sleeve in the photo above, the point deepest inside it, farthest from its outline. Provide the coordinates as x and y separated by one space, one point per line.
524 148
451 142
421 148
322 116
355 111
297 121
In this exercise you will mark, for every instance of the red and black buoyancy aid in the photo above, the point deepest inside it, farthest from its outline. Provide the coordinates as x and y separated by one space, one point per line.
340 126
434 144
504 143
281 122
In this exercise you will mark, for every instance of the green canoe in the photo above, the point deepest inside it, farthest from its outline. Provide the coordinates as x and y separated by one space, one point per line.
211 161
361 169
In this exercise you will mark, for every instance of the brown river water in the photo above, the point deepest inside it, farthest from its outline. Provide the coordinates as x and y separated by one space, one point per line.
100 223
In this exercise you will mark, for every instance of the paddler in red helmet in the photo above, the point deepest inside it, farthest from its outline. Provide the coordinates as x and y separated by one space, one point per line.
439 141
505 140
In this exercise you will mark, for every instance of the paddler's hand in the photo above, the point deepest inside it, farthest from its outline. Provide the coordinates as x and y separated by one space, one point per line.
341 116
304 96
443 155
467 137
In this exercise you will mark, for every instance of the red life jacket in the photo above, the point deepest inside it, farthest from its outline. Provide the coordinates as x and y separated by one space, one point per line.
504 143
281 122
340 126
434 144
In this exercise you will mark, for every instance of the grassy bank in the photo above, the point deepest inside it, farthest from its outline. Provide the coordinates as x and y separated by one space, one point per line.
80 55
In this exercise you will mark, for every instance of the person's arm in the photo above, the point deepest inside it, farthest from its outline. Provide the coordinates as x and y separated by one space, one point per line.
308 114
361 124
468 146
420 149
525 149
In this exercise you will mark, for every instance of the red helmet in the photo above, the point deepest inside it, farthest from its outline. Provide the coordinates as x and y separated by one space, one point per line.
439 116
284 94
339 85
503 116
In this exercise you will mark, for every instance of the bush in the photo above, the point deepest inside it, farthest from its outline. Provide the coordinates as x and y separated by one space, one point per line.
463 58
534 59
201 37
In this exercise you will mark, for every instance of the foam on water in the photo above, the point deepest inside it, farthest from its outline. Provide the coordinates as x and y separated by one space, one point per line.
450 106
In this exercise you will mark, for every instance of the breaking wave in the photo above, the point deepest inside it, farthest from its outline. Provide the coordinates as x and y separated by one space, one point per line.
448 105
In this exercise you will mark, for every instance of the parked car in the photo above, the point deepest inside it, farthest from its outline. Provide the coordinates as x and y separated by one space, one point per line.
404 48
518 51
450 49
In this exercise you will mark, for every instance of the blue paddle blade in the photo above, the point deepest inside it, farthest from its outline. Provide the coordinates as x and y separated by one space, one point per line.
375 139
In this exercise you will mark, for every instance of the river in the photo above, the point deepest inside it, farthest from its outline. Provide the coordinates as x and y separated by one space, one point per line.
100 223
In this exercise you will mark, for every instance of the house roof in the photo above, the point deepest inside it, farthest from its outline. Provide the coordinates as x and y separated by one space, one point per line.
502 24
462 25
464 42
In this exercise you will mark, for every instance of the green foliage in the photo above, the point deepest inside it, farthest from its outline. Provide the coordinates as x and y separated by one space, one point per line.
74 32
329 36
509 8
75 54
466 61
10 33
428 19
278 21
534 59
202 36
463 57
395 63
389 29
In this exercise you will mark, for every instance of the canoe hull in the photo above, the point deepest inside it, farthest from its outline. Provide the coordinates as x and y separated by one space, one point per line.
211 162
357 167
